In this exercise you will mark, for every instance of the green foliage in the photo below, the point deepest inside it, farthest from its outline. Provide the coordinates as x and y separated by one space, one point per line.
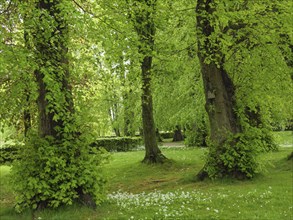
197 134
118 143
10 143
8 153
238 156
196 137
52 173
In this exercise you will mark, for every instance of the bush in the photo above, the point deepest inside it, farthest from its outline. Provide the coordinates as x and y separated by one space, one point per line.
51 173
166 135
238 155
118 143
196 137
8 153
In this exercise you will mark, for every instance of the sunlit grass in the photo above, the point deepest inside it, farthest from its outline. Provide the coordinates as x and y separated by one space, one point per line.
284 137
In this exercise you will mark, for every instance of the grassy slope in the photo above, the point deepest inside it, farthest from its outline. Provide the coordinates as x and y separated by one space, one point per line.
268 196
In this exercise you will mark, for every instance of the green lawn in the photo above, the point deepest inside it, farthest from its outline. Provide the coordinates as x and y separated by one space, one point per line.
139 191
284 137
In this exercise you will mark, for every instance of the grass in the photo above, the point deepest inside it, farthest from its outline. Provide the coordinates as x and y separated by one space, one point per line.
284 137
139 191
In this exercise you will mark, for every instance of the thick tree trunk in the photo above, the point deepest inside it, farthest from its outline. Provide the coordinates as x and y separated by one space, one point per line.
218 87
220 102
52 53
219 93
178 136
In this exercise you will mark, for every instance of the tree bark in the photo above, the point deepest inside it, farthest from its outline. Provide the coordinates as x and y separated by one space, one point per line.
153 153
220 102
178 136
218 87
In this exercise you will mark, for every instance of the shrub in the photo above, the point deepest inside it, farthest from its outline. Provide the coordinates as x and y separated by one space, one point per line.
196 138
51 173
8 153
238 155
166 135
118 143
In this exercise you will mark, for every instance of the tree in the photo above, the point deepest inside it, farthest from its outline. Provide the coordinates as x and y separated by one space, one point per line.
143 18
56 166
224 29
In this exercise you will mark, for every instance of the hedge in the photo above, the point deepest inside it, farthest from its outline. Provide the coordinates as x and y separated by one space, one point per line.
8 153
167 135
118 143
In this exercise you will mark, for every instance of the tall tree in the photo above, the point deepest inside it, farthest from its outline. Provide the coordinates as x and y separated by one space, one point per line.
223 29
55 167
218 86
143 19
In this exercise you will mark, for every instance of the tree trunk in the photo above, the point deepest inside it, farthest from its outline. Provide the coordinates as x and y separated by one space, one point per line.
153 153
26 121
218 87
220 102
145 28
53 84
219 93
26 117
178 136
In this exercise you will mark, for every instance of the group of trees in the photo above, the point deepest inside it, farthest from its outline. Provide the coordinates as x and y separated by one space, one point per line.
73 70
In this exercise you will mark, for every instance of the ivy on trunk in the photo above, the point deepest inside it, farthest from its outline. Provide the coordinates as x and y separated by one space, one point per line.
56 167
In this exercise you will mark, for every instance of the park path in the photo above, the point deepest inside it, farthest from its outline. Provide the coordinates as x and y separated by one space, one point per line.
173 144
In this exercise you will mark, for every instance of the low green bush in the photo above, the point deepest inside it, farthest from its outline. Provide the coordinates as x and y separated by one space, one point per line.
118 143
8 153
53 173
167 135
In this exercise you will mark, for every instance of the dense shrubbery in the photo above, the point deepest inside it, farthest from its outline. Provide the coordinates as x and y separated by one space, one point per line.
240 160
51 173
8 153
166 135
118 143
196 138
11 152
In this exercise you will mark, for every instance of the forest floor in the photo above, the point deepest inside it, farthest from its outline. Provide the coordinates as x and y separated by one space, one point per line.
169 191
